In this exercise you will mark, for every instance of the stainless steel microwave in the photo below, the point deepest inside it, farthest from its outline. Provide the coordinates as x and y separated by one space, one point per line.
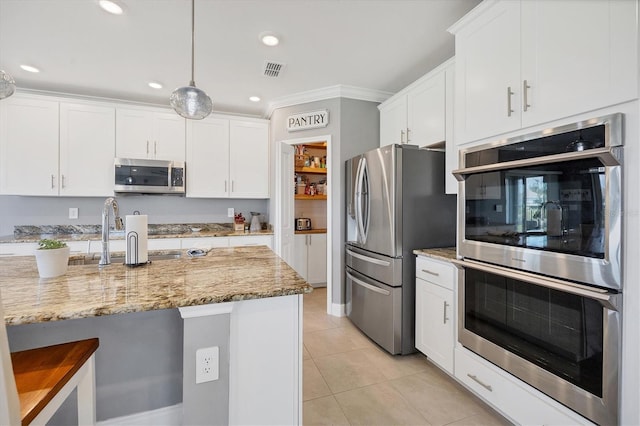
136 176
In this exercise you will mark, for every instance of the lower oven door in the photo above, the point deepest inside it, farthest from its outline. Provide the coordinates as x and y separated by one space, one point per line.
376 309
559 337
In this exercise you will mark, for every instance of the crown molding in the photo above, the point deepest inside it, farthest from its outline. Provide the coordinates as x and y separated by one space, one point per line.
337 91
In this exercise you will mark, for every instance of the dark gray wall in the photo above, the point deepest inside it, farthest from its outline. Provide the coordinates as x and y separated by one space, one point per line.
15 210
354 127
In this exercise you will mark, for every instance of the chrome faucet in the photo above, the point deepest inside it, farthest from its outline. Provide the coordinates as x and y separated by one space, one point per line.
109 204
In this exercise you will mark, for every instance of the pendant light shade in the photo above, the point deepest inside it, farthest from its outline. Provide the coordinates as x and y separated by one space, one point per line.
7 85
189 101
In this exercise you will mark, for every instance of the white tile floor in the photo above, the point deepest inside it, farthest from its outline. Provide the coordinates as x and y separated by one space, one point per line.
349 380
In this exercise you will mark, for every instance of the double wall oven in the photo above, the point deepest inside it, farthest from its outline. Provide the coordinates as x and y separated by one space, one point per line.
540 235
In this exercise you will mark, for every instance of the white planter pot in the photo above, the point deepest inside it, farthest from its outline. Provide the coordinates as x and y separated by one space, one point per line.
53 262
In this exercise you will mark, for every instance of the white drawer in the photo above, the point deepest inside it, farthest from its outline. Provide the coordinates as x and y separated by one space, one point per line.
18 249
204 243
509 395
251 240
435 271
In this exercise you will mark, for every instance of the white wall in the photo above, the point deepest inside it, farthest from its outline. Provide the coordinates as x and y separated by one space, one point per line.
16 210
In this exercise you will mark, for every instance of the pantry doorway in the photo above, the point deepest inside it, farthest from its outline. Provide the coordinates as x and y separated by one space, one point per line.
302 201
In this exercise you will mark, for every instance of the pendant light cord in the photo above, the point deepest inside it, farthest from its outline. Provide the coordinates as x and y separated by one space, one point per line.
193 24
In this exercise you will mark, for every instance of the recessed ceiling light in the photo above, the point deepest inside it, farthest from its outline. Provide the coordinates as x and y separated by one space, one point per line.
269 39
111 6
29 68
155 85
254 98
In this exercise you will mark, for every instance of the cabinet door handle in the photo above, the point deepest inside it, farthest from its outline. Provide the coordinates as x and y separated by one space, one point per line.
509 94
444 310
52 182
225 186
147 147
401 136
525 97
233 185
155 148
62 181
475 379
435 274
408 138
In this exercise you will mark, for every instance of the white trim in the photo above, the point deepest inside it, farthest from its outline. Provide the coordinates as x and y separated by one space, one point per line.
471 15
332 193
171 415
338 310
337 91
206 310
442 68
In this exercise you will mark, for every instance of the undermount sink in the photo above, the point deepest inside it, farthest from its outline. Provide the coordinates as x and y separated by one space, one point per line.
119 259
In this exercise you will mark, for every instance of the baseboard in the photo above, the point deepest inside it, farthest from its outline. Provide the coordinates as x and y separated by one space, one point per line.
338 310
165 416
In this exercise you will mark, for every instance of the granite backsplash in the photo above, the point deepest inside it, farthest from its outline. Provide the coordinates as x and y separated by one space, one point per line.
153 229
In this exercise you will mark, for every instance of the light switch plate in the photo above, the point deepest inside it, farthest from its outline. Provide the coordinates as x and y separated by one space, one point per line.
73 213
230 212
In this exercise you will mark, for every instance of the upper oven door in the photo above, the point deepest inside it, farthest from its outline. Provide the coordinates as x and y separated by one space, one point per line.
549 205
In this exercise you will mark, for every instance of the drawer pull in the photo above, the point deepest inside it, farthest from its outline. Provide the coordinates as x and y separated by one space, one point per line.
475 379
444 314
435 274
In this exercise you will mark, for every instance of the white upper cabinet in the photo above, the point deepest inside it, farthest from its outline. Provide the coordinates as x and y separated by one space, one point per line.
227 158
49 147
147 133
208 158
249 159
393 121
487 76
522 63
28 146
426 111
416 115
87 148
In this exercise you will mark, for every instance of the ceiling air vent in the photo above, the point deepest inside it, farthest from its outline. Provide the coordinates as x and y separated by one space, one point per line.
272 69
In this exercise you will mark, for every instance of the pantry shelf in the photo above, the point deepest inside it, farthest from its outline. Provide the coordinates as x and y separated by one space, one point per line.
315 170
310 197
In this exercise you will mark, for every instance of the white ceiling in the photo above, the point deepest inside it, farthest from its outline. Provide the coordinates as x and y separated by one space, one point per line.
374 44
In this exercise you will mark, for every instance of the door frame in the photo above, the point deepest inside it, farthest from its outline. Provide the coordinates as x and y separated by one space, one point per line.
280 205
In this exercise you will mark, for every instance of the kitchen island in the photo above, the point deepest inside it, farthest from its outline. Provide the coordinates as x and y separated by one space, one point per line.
244 300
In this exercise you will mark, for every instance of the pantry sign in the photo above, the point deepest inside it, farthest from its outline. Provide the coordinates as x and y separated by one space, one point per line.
308 120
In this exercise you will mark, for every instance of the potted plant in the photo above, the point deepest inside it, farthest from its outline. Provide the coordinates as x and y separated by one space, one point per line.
52 258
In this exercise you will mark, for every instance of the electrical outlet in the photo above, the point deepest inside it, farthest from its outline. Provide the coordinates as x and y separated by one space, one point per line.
230 212
73 213
207 364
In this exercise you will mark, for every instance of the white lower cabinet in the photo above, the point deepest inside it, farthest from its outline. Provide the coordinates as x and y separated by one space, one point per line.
310 257
28 249
516 400
435 311
204 243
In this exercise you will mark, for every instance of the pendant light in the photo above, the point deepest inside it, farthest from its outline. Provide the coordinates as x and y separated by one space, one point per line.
7 85
189 101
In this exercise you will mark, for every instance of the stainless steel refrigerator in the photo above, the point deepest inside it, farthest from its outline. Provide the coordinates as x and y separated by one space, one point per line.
396 203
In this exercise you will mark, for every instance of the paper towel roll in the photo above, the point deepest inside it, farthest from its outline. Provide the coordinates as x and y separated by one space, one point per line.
136 239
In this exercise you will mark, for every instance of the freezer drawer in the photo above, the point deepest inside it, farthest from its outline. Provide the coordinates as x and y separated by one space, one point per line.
385 269
376 309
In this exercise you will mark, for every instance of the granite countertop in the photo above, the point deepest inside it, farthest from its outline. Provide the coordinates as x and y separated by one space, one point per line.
223 275
443 253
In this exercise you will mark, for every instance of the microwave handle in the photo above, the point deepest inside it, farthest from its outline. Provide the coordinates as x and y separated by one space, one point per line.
608 156
606 298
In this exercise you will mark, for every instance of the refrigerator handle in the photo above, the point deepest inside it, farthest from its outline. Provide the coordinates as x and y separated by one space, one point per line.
364 202
368 286
358 201
368 259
